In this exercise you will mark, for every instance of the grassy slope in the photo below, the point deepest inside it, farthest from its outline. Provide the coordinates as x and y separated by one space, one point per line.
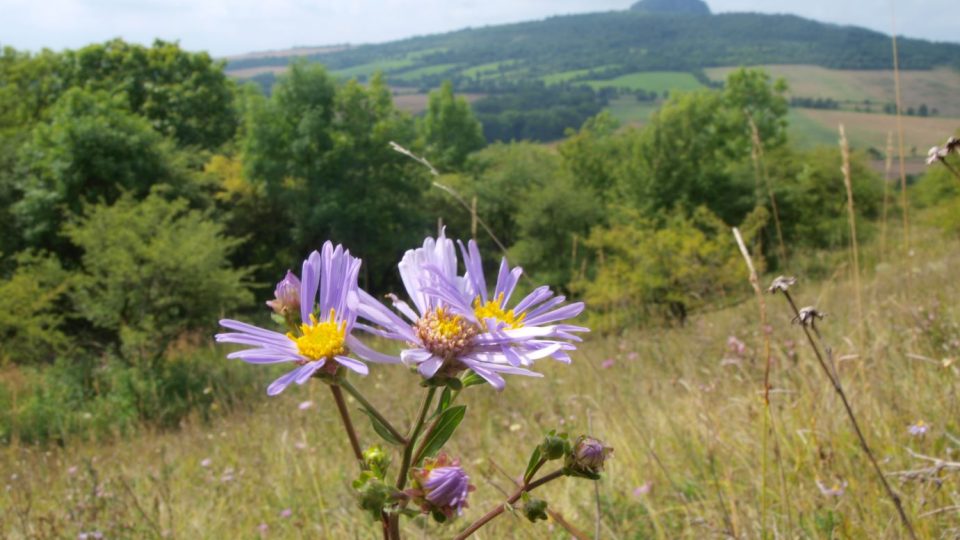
653 81
936 88
870 130
628 110
682 420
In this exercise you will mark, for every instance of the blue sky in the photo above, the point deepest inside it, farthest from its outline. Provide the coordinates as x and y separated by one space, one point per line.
226 27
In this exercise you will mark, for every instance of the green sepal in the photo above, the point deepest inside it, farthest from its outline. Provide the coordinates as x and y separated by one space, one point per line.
532 466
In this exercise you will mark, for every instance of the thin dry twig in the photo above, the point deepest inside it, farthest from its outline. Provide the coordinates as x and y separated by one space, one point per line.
807 320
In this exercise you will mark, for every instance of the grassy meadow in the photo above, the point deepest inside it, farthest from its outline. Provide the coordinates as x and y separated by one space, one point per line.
697 455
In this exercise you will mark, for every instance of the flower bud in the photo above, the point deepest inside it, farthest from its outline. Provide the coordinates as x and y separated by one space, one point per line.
535 509
377 460
440 487
554 446
372 493
587 458
287 296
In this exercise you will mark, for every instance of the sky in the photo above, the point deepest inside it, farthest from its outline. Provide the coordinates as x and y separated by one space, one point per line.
227 27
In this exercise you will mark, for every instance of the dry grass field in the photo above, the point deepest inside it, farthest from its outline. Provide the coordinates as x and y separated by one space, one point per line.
697 454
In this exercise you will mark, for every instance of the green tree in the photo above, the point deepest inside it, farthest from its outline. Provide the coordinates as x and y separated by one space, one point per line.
186 96
449 130
92 148
322 157
812 197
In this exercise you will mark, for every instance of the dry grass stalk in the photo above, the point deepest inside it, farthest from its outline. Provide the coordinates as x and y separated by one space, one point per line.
888 167
760 167
854 246
768 417
904 208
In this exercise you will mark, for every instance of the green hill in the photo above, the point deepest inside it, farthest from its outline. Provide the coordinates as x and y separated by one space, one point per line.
542 77
631 41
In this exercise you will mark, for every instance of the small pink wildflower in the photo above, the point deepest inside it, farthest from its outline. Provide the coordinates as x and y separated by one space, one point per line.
304 405
285 513
608 363
643 489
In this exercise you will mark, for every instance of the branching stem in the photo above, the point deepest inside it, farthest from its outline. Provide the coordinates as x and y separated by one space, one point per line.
500 508
835 381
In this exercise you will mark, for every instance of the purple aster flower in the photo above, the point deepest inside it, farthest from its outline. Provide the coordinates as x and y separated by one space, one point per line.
441 486
329 297
444 334
540 312
287 296
919 429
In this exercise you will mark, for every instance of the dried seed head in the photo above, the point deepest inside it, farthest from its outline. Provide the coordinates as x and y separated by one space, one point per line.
940 153
808 316
782 284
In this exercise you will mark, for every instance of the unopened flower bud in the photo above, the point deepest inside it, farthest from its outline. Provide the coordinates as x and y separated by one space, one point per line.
554 446
535 509
372 493
441 487
287 296
377 460
587 457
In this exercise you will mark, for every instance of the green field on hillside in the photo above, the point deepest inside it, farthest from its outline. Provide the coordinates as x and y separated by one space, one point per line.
427 70
367 70
936 88
651 81
564 76
629 111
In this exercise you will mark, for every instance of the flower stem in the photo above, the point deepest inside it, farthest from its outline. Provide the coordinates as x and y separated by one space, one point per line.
371 409
347 424
500 508
835 380
950 168
409 442
412 440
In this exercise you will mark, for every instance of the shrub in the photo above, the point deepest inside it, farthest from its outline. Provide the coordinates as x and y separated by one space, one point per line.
31 310
153 270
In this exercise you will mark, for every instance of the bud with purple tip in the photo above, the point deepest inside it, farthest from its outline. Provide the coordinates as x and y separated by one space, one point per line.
287 296
441 487
587 458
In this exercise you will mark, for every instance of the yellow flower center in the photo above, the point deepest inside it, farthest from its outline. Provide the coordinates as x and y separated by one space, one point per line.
321 340
494 310
443 334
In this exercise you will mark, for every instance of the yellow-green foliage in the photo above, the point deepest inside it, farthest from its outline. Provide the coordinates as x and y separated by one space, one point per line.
31 310
645 268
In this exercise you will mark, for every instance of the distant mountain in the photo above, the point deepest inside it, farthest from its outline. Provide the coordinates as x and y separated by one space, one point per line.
615 43
691 7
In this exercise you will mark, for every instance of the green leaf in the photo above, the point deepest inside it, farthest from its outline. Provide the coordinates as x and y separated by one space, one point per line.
532 465
381 429
446 425
446 397
471 379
